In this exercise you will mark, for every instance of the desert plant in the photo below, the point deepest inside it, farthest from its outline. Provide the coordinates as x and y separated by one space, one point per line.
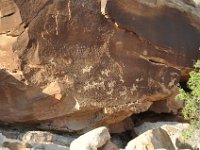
191 98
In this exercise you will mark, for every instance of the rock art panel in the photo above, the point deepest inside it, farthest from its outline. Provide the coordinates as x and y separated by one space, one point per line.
66 65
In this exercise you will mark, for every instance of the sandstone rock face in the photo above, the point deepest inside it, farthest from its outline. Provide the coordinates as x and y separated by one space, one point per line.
77 64
151 140
175 131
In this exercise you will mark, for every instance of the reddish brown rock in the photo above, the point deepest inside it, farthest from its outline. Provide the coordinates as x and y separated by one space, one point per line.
164 24
66 66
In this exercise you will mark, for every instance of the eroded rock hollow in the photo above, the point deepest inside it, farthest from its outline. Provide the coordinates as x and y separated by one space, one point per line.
77 64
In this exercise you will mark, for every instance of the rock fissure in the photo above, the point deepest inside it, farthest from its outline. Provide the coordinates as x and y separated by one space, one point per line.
8 15
38 12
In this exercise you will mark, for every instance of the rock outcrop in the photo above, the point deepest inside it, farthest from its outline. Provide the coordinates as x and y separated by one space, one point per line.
77 64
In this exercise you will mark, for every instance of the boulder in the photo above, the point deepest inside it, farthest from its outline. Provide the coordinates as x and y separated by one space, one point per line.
169 127
92 140
20 139
75 65
173 129
192 142
152 139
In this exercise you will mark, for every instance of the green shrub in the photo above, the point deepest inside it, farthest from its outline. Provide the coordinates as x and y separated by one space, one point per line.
191 110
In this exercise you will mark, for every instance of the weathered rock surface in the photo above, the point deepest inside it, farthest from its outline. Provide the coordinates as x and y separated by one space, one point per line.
33 140
167 126
66 66
92 140
123 126
151 140
173 129
110 146
192 142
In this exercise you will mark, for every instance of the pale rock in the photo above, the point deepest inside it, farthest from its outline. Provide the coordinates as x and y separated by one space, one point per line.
50 147
4 148
169 127
173 129
42 137
2 139
12 145
197 2
150 140
37 137
55 147
192 142
33 140
91 140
